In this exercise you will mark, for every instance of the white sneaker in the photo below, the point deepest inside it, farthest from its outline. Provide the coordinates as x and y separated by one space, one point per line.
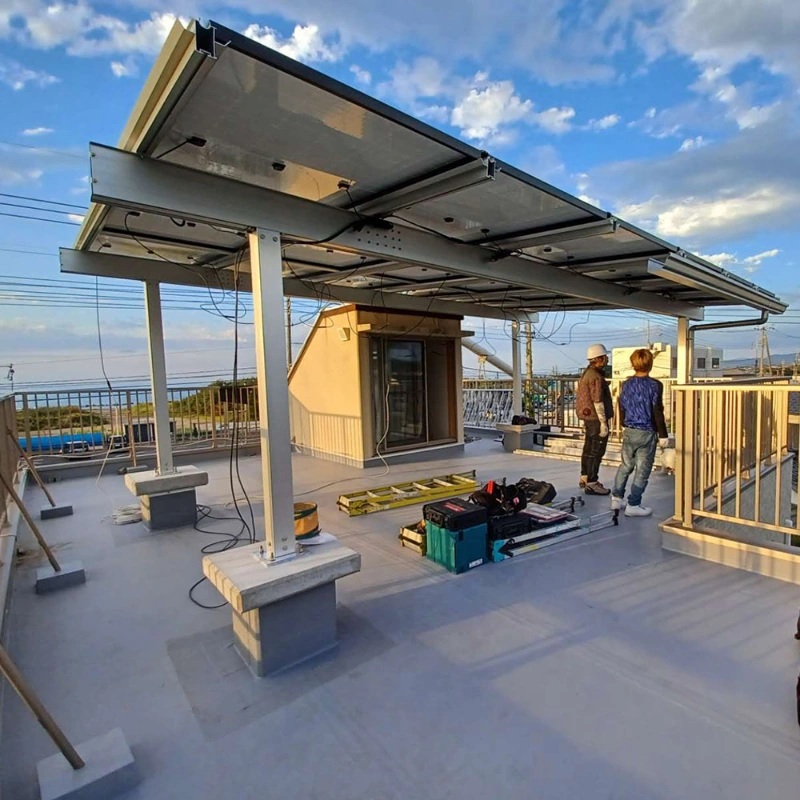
617 503
638 511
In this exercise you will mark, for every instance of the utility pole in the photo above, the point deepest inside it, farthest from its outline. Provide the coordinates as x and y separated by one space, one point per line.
10 376
288 332
764 358
529 350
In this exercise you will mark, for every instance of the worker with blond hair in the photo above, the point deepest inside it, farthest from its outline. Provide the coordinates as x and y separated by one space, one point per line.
641 409
594 406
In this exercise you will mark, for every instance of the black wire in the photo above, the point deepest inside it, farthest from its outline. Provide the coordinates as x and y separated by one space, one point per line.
171 150
40 200
36 208
228 541
99 334
41 219
235 436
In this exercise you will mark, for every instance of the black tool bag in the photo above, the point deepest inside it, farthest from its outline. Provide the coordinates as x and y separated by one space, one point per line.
499 498
522 419
537 492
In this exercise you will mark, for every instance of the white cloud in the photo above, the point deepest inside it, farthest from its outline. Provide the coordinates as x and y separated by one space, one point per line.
692 144
725 33
440 114
749 264
592 201
124 69
554 120
17 76
305 44
693 217
423 78
544 162
604 123
41 131
75 217
483 111
736 102
362 76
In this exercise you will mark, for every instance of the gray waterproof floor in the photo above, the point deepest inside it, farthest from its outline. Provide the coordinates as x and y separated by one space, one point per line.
601 668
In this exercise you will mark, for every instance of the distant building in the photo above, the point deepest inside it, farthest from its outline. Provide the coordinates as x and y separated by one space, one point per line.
707 361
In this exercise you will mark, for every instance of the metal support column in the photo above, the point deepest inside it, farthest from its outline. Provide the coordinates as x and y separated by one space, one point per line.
273 393
516 369
158 377
685 355
683 427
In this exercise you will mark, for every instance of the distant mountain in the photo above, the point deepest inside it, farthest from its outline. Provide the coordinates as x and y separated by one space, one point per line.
777 358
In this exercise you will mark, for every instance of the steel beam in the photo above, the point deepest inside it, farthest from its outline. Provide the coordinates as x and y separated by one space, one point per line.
446 183
687 273
130 181
76 262
568 233
273 394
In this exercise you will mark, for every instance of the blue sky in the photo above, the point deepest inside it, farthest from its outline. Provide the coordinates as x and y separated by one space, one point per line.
678 115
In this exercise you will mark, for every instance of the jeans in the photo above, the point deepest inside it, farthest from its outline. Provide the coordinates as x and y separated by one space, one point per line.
594 448
638 455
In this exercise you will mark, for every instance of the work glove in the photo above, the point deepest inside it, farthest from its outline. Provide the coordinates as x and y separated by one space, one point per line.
603 429
663 443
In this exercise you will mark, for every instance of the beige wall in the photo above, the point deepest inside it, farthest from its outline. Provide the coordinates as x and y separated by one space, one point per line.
325 389
330 397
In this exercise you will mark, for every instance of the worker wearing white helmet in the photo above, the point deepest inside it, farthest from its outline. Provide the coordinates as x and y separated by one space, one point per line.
593 405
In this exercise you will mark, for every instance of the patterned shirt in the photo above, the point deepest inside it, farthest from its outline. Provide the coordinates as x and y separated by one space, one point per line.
641 405
593 388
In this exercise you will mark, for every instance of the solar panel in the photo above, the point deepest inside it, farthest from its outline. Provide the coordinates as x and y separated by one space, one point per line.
255 116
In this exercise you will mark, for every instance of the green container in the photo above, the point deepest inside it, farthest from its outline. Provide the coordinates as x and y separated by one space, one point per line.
457 551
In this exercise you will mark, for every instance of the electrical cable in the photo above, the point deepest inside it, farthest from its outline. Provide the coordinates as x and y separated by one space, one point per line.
100 336
41 219
40 200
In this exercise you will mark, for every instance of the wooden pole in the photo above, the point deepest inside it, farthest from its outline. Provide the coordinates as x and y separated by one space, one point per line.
27 695
31 524
31 467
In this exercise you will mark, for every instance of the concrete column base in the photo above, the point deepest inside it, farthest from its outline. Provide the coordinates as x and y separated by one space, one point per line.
48 580
52 512
169 510
274 637
109 771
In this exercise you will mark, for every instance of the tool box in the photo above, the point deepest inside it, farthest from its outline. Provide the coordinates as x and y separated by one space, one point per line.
457 533
509 525
415 537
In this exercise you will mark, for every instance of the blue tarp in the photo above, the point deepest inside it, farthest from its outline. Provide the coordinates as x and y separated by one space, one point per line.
48 444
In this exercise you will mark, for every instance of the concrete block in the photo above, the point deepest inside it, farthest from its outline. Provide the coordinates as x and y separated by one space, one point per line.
110 770
280 635
172 510
52 512
48 580
247 583
149 482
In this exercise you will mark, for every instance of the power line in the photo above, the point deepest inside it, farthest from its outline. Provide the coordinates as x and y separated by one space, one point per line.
40 200
43 149
40 219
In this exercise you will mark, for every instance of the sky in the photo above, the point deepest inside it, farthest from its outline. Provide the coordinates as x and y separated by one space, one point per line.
678 115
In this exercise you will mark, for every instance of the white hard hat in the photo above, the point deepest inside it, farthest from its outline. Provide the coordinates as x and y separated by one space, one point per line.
595 351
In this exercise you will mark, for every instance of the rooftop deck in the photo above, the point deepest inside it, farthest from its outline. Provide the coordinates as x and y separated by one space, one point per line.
603 667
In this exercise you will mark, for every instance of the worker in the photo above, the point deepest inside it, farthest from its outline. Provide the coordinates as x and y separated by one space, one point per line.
593 405
641 409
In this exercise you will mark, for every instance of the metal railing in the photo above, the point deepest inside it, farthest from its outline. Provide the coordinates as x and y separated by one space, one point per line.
86 423
9 456
735 460
550 401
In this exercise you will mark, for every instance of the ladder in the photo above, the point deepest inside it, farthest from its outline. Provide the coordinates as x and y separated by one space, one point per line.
425 490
